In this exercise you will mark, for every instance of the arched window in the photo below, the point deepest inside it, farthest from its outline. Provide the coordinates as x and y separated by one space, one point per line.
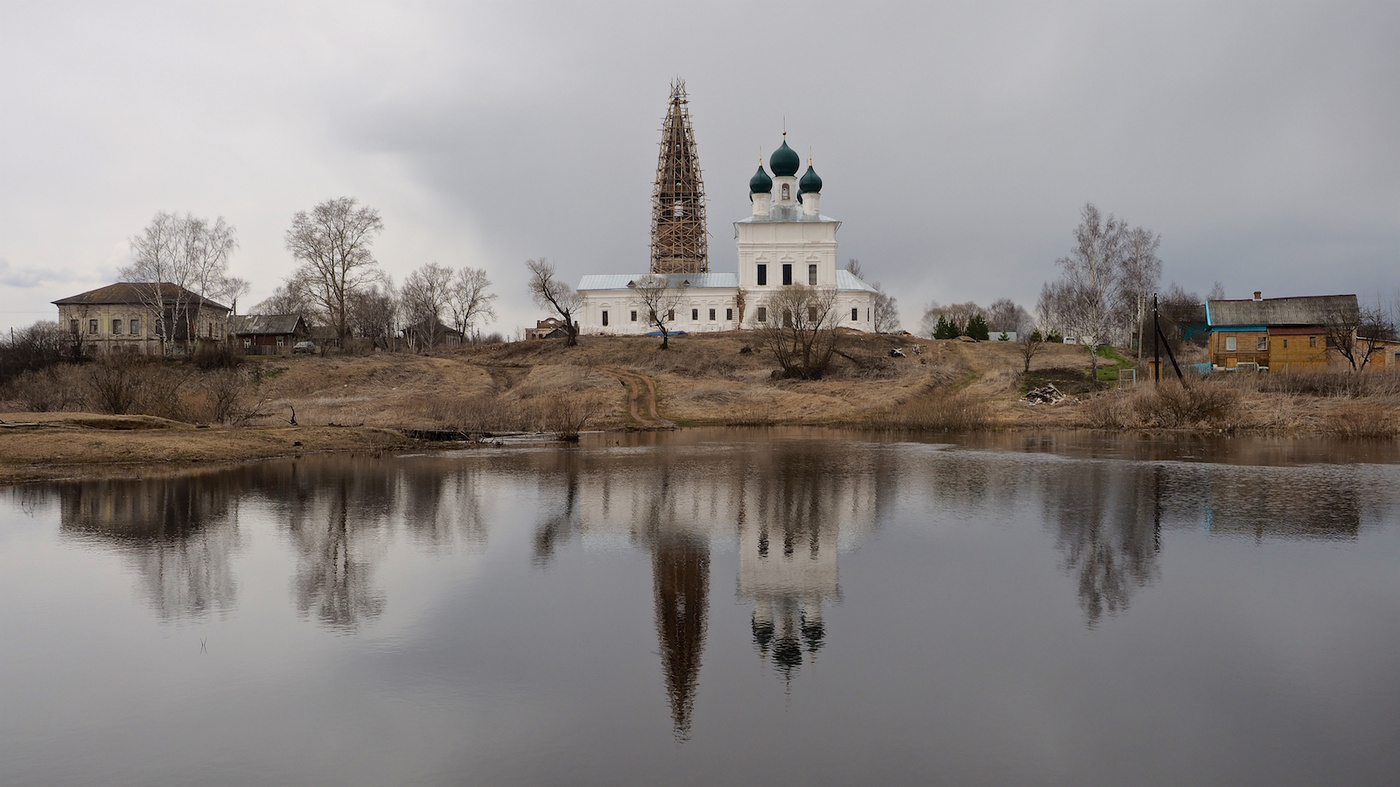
786 194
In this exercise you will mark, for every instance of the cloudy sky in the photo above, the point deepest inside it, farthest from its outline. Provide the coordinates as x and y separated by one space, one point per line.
957 141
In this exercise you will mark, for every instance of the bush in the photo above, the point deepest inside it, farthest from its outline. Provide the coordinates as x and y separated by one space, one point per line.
216 355
31 349
939 410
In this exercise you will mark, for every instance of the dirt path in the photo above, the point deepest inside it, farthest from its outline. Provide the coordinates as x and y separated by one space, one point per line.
641 393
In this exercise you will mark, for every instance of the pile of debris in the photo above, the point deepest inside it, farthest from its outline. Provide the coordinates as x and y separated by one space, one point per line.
1046 395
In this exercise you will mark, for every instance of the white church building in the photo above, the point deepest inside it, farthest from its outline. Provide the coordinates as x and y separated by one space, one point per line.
786 241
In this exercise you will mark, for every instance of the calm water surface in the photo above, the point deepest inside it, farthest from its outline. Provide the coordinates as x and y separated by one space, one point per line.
714 607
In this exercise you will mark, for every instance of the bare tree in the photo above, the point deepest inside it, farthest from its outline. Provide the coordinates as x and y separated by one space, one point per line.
468 299
290 298
659 302
374 313
424 297
187 252
853 265
1357 334
1217 292
332 243
231 289
1141 271
801 330
553 294
1091 276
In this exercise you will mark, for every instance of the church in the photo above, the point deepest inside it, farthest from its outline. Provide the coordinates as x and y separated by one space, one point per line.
785 241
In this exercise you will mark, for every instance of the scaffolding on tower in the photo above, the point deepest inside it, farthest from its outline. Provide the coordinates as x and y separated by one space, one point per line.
679 243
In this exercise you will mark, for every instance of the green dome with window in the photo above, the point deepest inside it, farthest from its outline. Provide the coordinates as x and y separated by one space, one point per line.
810 183
785 161
760 183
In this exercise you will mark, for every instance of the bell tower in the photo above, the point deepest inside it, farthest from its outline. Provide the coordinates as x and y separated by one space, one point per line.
679 243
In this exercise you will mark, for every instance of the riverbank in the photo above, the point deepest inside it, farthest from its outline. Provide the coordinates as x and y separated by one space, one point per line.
896 383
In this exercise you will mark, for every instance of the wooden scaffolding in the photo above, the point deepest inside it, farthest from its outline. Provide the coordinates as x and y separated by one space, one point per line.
679 243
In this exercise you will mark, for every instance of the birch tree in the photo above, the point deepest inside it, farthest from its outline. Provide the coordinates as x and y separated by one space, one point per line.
1092 275
424 297
332 243
469 300
1141 271
184 251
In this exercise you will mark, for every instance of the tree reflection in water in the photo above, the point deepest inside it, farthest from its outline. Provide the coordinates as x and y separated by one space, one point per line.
180 533
333 579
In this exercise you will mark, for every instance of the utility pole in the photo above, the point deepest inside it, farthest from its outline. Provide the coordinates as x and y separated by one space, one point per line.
1156 353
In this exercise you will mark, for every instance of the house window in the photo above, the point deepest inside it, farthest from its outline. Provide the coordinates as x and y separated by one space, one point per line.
812 275
762 314
855 313
134 326
762 275
1263 343
712 315
1312 342
116 327
729 315
280 340
634 315
248 342
605 318
694 315
73 327
787 273
92 326
1285 344
1229 344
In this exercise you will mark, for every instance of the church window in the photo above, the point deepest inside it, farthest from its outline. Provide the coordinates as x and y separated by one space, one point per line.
116 327
812 314
729 314
867 315
787 318
694 315
712 315
634 315
670 315
762 275
605 317
812 275
855 314
786 193
787 273
762 314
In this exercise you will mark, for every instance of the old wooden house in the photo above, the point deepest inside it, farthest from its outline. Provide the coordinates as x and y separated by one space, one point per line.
267 334
1279 334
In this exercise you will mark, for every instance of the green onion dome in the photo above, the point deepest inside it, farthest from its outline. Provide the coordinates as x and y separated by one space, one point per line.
785 161
810 183
760 183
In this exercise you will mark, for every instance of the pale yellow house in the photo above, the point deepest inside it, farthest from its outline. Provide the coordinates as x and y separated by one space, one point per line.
126 317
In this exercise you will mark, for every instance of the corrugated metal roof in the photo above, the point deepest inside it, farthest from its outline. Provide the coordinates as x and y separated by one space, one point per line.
1306 310
620 281
243 324
845 280
125 292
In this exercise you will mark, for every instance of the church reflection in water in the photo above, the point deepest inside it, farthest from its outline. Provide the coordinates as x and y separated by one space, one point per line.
793 507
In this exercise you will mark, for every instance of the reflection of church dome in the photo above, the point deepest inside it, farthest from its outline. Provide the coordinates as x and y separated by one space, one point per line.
814 632
811 183
760 183
762 633
785 161
787 655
